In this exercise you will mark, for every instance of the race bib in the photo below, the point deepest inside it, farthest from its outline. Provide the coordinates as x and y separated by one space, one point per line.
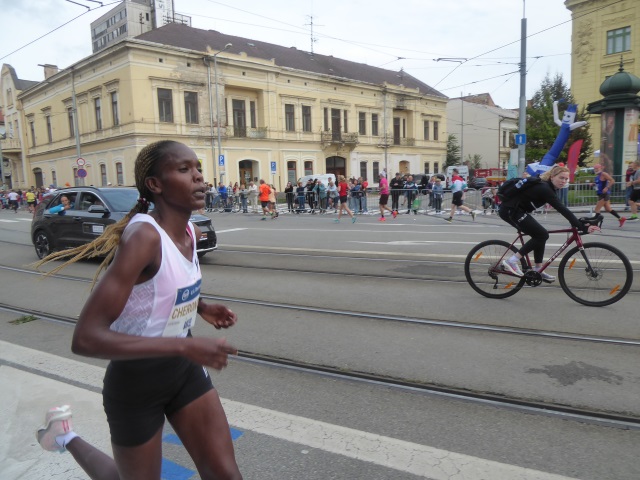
183 314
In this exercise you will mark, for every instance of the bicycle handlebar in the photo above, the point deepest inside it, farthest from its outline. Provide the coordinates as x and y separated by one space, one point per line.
596 220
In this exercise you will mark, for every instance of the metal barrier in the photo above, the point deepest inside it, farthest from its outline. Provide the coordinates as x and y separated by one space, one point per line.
581 193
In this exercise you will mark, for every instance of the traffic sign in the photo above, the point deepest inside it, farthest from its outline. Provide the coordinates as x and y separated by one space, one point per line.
221 160
273 168
81 162
81 173
521 139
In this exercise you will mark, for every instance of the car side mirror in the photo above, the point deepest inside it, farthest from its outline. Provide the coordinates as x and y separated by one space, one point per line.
98 209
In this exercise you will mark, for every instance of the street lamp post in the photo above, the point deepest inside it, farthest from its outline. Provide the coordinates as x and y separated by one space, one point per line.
215 73
459 61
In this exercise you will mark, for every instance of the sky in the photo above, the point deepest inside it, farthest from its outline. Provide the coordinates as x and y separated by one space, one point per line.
409 34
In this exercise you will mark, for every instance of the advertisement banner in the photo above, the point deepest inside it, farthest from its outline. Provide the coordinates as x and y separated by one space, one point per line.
607 141
631 138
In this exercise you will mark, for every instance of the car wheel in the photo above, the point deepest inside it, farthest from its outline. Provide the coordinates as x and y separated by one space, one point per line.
43 244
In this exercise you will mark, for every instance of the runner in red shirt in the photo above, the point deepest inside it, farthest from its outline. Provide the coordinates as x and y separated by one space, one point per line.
343 189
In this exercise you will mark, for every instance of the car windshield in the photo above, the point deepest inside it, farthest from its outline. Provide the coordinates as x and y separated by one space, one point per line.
120 199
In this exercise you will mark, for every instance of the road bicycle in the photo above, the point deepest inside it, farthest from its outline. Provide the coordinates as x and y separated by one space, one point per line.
593 274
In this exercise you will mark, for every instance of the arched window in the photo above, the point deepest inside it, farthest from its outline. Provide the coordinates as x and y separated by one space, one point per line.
119 174
292 172
103 175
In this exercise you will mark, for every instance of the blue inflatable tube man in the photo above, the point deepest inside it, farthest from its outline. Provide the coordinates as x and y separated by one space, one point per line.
567 125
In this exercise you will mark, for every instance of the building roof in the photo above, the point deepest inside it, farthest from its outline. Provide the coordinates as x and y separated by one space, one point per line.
19 83
182 36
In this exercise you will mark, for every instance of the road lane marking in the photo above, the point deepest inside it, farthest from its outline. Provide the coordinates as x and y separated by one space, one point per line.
439 242
231 230
401 455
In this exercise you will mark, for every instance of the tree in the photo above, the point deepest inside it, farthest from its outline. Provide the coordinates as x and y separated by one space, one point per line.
474 162
453 151
541 129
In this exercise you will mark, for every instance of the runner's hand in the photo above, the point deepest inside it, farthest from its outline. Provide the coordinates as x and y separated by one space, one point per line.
217 315
210 352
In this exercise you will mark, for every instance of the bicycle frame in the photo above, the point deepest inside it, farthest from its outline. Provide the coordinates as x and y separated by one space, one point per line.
573 237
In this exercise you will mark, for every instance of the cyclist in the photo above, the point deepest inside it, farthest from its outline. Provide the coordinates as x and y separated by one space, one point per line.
516 212
604 182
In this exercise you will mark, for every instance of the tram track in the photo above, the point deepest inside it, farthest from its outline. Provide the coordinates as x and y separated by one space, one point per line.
567 412
559 335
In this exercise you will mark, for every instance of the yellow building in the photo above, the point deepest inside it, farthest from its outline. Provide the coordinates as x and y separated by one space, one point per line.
11 146
603 31
282 113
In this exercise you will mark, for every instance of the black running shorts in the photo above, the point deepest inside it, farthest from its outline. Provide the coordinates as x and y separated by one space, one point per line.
457 199
137 395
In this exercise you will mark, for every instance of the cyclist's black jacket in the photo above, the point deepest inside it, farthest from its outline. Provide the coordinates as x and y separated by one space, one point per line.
537 196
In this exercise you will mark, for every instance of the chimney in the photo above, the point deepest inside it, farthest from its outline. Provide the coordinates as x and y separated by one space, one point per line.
50 70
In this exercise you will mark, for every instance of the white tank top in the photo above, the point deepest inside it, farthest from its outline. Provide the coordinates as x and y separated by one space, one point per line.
165 305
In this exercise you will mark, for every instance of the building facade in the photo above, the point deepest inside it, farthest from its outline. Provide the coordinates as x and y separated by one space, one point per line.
481 127
603 32
14 170
132 18
278 113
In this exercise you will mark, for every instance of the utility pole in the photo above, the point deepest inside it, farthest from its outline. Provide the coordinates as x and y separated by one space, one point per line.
384 125
522 121
2 137
460 61
207 60
75 115
461 128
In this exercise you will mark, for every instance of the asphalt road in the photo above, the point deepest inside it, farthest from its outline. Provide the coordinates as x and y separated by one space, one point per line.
410 267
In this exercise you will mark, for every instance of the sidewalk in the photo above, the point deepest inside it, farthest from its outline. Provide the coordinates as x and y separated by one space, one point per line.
34 381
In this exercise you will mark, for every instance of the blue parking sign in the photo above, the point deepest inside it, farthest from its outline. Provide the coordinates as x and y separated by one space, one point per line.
273 167
221 160
521 139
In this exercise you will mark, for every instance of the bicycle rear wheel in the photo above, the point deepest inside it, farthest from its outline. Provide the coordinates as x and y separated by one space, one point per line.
485 274
607 281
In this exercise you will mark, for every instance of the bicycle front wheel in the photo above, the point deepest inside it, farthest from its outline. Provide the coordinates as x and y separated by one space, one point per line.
485 274
597 276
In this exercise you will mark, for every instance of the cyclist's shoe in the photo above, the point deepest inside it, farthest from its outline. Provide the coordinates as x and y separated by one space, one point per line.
622 220
513 267
546 277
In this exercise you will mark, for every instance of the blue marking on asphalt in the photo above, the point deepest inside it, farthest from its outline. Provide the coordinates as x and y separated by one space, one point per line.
173 471
172 438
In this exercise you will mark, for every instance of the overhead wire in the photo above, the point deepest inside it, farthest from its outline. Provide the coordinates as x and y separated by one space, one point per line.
58 28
